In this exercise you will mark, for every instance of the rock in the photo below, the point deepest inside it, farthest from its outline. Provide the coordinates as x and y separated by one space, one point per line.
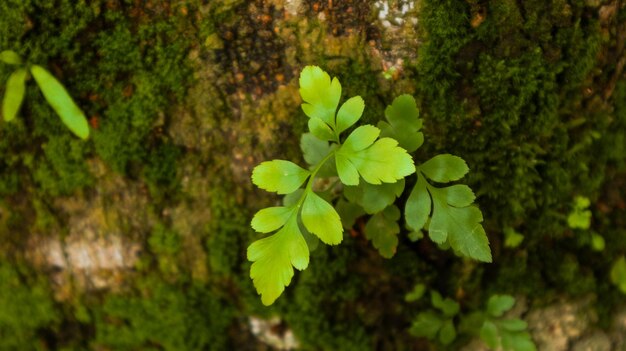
555 327
618 330
597 341
273 333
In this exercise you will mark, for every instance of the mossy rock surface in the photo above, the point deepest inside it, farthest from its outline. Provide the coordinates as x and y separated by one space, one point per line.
136 238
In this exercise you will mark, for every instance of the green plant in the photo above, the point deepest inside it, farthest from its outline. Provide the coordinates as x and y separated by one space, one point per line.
618 274
512 238
437 323
580 219
378 155
497 331
53 91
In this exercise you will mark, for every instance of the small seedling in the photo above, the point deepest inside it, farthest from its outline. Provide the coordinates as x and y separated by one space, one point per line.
53 91
437 324
580 217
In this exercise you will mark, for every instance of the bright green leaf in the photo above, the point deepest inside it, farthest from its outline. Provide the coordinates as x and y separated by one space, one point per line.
312 241
271 218
360 138
415 294
348 174
472 243
403 111
374 198
489 334
597 242
578 219
444 168
460 226
321 219
459 195
14 94
279 176
320 129
512 238
273 258
581 202
291 199
383 162
320 94
10 57
418 205
349 113
61 102
382 229
498 304
404 124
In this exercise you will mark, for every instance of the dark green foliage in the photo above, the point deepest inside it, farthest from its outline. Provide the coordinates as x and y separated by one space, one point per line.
122 67
328 321
164 317
512 86
27 310
161 171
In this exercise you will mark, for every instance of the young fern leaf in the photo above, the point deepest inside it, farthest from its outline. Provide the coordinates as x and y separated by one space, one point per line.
61 102
274 256
403 123
14 95
307 216
383 229
10 57
503 333
377 161
282 177
374 198
321 96
454 219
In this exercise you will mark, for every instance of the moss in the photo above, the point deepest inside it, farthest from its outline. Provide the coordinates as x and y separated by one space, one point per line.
161 170
500 93
166 317
327 321
123 77
27 312
516 92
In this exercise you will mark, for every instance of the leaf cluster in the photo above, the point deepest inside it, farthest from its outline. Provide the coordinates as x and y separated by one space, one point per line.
438 323
348 177
494 329
53 91
580 217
